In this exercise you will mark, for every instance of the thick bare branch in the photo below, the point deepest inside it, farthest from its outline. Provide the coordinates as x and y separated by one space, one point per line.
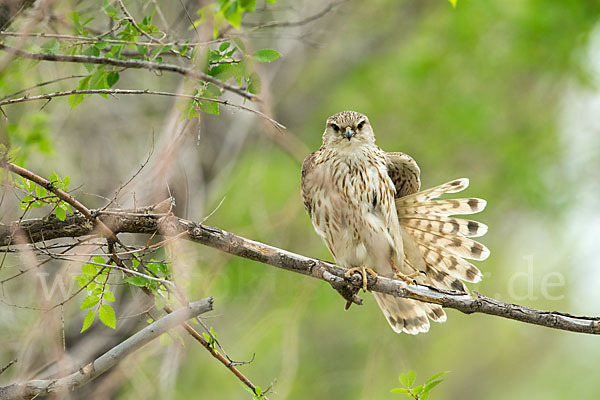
85 374
77 225
141 64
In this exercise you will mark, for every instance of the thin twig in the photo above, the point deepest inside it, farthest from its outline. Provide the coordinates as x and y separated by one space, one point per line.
139 92
40 85
287 24
227 363
152 66
7 366
118 191
130 18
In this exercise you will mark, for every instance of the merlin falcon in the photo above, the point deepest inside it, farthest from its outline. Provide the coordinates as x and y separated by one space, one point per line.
366 205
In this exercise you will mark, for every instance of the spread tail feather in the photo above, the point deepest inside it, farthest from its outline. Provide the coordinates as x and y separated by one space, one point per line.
436 245
409 316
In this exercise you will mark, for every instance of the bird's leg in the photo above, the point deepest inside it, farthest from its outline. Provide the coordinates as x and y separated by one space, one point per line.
399 276
363 271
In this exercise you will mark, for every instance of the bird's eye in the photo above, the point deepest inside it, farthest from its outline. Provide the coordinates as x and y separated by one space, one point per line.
335 127
360 125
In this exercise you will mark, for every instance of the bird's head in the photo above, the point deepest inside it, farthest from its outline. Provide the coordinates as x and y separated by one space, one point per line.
347 130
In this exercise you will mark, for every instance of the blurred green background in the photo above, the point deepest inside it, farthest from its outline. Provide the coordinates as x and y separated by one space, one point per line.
504 92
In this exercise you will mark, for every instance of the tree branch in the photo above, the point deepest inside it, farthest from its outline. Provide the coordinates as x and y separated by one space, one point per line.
50 96
87 373
152 66
122 221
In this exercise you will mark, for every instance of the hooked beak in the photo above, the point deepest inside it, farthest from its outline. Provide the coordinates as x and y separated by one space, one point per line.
349 133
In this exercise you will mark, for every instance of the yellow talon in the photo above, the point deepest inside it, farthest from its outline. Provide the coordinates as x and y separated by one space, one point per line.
363 271
399 276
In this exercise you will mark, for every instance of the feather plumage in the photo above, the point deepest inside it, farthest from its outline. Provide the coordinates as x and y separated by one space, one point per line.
367 207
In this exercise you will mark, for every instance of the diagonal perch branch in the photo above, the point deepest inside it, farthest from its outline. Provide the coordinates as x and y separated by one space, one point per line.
87 373
77 225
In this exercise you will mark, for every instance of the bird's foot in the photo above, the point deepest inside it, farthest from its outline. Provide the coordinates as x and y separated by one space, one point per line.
363 271
399 276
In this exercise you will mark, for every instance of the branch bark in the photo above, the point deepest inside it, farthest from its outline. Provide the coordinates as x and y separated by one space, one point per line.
124 221
85 374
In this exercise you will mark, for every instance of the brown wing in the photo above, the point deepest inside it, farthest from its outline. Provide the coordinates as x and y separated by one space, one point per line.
307 166
404 172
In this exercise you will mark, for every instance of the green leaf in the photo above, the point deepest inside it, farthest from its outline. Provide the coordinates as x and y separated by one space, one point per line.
214 57
75 18
224 46
431 385
98 80
40 191
209 107
436 376
75 99
89 269
101 45
65 206
152 267
89 302
399 390
239 44
424 396
222 71
107 316
408 378
91 51
142 49
255 83
138 281
417 389
109 10
233 15
61 214
248 5
87 321
266 55
453 2
50 47
164 269
108 296
99 260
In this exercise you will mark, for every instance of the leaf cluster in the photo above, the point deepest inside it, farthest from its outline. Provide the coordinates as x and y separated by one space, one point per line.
38 196
419 392
94 279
